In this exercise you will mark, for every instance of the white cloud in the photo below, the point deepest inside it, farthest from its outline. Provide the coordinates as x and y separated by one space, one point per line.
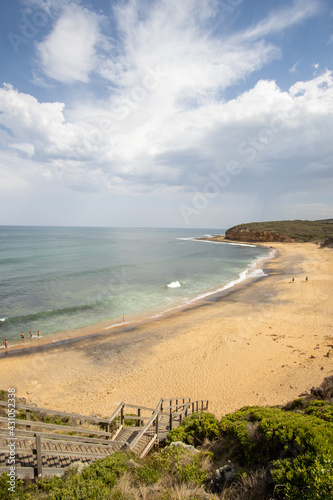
266 130
26 148
293 69
165 123
282 19
68 53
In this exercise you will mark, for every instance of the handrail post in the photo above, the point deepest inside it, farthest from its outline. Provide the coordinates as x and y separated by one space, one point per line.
170 418
156 427
28 418
39 463
176 405
139 415
122 415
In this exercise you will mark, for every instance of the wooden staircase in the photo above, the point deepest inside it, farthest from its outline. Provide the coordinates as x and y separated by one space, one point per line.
44 449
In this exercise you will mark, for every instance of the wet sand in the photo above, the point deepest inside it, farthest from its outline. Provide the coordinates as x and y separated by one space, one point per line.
261 343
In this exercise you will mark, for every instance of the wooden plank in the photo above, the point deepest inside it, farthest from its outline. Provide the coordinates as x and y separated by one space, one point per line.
173 399
58 413
63 437
141 407
149 445
20 472
75 454
59 427
17 450
116 411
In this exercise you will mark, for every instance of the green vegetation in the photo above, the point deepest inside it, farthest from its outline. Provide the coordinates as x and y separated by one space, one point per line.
298 230
196 428
254 453
121 476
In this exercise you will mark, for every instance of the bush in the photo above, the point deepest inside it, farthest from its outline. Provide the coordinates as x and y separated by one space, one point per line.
320 409
305 477
109 469
195 429
184 465
299 447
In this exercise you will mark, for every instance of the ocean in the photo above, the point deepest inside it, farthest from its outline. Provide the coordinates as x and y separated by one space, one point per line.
60 278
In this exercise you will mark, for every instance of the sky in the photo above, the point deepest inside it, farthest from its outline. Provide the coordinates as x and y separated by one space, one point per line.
165 113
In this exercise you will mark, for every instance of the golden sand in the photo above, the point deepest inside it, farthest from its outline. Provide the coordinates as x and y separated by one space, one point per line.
262 343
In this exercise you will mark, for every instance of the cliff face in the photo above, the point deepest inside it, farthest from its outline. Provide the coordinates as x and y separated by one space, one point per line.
255 236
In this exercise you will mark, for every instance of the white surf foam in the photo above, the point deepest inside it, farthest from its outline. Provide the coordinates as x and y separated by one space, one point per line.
174 284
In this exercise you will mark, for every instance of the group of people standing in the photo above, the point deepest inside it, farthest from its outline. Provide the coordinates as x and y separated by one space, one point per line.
22 337
31 335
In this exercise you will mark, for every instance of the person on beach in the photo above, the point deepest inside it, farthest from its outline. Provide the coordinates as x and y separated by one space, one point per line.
124 318
293 279
6 343
31 335
306 279
22 336
38 333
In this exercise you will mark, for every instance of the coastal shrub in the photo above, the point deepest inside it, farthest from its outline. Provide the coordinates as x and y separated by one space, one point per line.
73 486
132 422
183 464
304 477
5 494
285 453
298 447
110 468
61 420
195 429
320 409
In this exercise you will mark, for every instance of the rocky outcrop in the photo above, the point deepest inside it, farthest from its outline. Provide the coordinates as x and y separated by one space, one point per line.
255 236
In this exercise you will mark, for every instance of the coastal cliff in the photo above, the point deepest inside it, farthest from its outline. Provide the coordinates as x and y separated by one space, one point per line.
255 236
282 231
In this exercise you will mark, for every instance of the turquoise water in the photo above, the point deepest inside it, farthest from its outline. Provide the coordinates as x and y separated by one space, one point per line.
60 278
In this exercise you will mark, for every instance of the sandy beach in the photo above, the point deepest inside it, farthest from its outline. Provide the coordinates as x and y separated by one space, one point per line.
261 343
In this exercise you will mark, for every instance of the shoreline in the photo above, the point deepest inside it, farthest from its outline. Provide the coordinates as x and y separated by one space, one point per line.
101 329
263 343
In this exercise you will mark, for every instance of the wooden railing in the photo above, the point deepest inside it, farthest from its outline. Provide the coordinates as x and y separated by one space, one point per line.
132 427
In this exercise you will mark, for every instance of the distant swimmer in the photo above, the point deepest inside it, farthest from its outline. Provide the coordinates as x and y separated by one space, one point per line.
6 343
124 318
38 333
31 335
22 336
